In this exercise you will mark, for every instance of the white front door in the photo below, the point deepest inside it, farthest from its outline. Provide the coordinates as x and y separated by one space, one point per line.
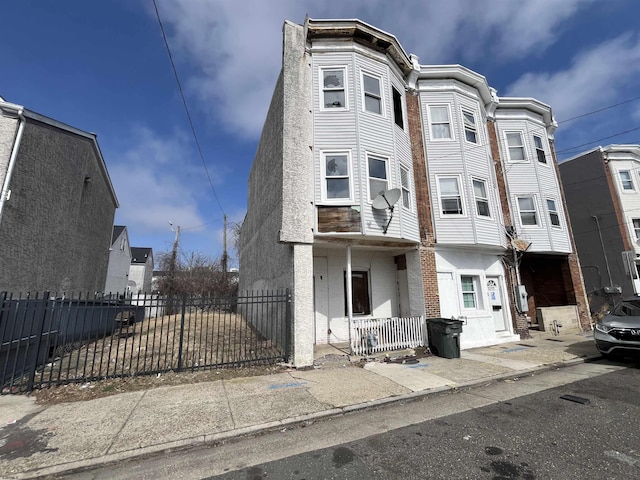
448 290
321 300
494 291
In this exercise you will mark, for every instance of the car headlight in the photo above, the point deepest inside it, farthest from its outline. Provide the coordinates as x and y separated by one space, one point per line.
603 328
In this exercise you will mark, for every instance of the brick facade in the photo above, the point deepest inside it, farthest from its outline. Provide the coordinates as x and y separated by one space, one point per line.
427 239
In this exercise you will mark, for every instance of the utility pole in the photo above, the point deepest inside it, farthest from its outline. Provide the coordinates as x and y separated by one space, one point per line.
224 249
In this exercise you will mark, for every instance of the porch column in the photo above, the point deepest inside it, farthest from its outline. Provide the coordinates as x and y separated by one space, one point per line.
349 293
303 315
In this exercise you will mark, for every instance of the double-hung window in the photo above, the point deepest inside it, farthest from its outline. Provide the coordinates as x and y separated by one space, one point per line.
397 108
528 213
440 122
482 199
450 196
377 175
626 181
537 141
372 93
554 216
636 227
337 176
405 181
515 146
333 88
470 130
469 291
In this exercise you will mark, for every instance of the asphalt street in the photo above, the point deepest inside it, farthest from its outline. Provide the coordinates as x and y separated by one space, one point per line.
586 430
575 422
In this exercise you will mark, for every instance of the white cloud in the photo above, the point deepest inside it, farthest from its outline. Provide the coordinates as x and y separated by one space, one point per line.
234 49
594 79
155 184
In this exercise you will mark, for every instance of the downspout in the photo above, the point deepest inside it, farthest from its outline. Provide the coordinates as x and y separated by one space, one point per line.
604 251
4 195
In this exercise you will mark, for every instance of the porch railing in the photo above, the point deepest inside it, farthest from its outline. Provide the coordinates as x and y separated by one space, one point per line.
372 335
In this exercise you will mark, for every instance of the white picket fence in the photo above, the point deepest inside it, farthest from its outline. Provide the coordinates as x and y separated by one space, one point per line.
372 335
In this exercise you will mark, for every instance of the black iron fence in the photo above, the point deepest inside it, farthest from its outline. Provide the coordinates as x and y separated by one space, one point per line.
47 340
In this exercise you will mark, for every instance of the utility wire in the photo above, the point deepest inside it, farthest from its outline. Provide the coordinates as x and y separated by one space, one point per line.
186 108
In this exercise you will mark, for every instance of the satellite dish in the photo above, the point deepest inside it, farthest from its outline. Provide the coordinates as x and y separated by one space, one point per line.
387 199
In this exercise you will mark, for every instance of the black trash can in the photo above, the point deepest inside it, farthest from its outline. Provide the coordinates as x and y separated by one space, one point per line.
444 337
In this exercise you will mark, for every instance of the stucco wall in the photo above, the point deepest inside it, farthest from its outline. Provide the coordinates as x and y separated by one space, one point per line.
8 129
56 228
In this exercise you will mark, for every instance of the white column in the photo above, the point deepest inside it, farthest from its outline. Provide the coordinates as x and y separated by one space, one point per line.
349 293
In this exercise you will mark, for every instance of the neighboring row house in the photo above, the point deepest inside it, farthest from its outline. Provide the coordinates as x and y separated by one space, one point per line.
472 224
57 205
602 189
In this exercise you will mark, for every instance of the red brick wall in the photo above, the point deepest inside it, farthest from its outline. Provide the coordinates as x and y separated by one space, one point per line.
427 239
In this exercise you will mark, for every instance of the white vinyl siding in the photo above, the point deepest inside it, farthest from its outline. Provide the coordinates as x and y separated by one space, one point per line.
334 90
533 179
515 146
440 122
363 134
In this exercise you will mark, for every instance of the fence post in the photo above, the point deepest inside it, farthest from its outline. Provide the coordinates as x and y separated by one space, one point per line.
182 314
287 340
32 373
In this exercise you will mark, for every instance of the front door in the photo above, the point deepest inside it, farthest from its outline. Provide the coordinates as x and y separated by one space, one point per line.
494 291
321 300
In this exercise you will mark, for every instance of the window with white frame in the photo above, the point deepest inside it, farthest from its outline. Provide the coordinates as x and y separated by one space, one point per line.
377 175
450 196
469 285
537 141
528 213
398 116
482 199
333 88
440 122
405 184
515 146
470 131
372 96
636 227
554 216
626 181
337 176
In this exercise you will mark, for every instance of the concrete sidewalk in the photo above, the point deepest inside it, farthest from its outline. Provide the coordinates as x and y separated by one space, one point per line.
37 440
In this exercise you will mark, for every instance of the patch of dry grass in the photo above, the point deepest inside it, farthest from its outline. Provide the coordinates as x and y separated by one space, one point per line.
209 340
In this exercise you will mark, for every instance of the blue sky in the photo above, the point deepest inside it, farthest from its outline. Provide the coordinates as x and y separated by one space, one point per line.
103 67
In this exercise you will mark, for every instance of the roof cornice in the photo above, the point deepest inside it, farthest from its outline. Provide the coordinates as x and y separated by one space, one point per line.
362 33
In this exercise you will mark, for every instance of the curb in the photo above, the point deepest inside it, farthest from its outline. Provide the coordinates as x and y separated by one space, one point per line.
213 439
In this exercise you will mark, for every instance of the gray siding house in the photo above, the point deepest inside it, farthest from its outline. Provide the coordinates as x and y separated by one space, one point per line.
119 261
602 190
57 205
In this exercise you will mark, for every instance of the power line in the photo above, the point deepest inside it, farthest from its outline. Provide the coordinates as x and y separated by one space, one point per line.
186 108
